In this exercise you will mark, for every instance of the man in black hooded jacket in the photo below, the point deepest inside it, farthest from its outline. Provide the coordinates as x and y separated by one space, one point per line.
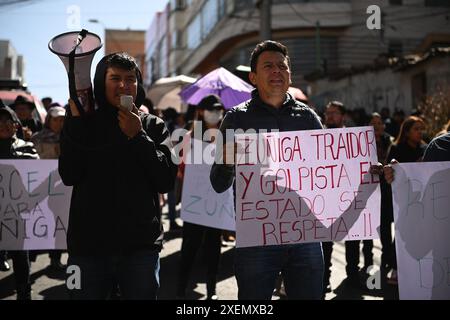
117 162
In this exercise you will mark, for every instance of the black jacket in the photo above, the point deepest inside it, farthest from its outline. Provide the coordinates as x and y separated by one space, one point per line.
33 124
115 205
403 152
255 114
438 149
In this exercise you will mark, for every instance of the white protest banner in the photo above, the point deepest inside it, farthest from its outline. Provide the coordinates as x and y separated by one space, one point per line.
421 200
200 204
34 207
306 186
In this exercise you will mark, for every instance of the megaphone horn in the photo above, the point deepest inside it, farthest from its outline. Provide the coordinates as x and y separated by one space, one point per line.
76 50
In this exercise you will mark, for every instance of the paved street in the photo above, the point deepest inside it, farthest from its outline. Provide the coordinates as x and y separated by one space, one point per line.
49 285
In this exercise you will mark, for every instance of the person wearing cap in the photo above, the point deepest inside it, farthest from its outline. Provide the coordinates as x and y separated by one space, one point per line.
4 265
11 147
270 108
213 110
23 107
210 112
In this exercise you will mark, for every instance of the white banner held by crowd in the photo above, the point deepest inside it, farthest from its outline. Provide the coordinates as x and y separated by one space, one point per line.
34 207
421 199
200 204
306 186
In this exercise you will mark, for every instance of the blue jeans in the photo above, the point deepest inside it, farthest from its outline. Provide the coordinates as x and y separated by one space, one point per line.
136 273
301 266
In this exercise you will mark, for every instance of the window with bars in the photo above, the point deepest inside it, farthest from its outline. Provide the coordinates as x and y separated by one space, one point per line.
396 2
178 4
437 3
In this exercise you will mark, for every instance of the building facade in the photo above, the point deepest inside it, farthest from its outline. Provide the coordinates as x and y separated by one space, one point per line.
398 84
157 45
12 65
193 37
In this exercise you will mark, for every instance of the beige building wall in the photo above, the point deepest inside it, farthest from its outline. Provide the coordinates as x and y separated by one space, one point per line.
131 41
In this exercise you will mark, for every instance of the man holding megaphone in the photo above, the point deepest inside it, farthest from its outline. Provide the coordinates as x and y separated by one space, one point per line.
117 161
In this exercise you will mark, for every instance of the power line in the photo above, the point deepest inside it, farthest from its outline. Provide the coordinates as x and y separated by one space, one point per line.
390 17
4 3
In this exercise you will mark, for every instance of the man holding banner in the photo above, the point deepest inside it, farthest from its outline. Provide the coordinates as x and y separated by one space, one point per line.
296 186
271 108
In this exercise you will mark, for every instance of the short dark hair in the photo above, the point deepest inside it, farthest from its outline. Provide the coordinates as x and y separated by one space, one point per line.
338 105
211 102
267 45
123 60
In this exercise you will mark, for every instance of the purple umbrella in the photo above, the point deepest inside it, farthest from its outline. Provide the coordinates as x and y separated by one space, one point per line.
230 88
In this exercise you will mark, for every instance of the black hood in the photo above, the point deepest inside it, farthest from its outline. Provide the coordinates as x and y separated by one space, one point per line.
106 124
9 112
99 86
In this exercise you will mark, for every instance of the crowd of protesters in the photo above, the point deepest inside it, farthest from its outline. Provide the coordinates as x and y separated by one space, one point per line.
143 134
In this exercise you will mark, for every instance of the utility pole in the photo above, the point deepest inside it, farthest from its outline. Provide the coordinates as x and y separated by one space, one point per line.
265 19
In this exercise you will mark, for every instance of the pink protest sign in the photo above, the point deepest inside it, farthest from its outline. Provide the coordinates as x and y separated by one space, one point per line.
306 186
